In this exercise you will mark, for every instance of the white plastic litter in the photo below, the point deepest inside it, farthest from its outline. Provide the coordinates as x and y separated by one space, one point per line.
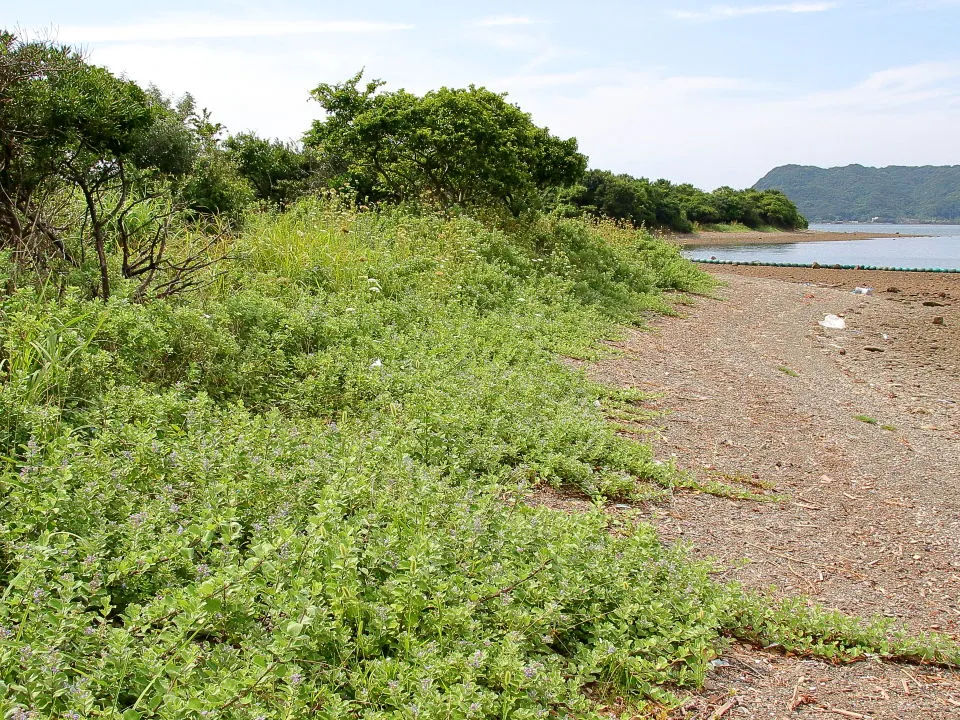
834 322
862 290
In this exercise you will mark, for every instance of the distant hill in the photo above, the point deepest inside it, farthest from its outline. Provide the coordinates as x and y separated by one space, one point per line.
888 194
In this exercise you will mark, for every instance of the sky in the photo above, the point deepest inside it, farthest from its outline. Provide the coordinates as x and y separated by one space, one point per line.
707 93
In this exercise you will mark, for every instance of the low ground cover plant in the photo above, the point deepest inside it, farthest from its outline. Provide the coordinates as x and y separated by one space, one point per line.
302 490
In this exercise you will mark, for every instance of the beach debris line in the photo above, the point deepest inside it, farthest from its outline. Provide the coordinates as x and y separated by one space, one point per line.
833 322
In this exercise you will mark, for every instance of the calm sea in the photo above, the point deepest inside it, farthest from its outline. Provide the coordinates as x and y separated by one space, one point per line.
939 247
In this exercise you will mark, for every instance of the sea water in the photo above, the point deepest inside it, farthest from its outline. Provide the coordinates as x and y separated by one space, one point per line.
937 248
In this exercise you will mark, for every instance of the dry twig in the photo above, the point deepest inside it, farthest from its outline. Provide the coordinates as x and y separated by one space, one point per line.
724 709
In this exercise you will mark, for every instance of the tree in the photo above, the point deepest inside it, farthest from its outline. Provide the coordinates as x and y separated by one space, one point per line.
670 212
676 207
777 210
25 187
215 185
278 172
449 147
72 135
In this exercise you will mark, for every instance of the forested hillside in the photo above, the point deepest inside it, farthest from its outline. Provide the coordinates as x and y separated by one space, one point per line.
888 194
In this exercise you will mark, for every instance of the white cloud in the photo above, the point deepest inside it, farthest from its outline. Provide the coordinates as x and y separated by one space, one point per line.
896 88
536 81
505 21
265 90
723 12
194 28
714 131
708 129
710 83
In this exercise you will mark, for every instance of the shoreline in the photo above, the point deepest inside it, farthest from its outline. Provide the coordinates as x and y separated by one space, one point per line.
943 289
756 237
854 430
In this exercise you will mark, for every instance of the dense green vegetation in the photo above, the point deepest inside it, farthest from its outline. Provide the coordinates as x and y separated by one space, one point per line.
286 472
303 489
464 148
662 204
855 192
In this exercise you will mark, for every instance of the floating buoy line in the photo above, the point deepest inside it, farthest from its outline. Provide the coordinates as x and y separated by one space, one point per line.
818 266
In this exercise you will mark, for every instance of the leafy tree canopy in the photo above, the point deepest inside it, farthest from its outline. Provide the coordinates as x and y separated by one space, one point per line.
277 171
676 207
450 146
88 159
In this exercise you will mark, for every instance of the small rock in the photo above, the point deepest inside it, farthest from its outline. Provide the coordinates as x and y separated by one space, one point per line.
893 289
843 352
932 303
938 320
873 349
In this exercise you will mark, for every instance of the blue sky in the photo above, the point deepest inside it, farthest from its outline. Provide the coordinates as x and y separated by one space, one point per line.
708 93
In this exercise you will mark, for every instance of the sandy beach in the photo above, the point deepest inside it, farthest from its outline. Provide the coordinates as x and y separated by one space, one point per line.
851 434
755 237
